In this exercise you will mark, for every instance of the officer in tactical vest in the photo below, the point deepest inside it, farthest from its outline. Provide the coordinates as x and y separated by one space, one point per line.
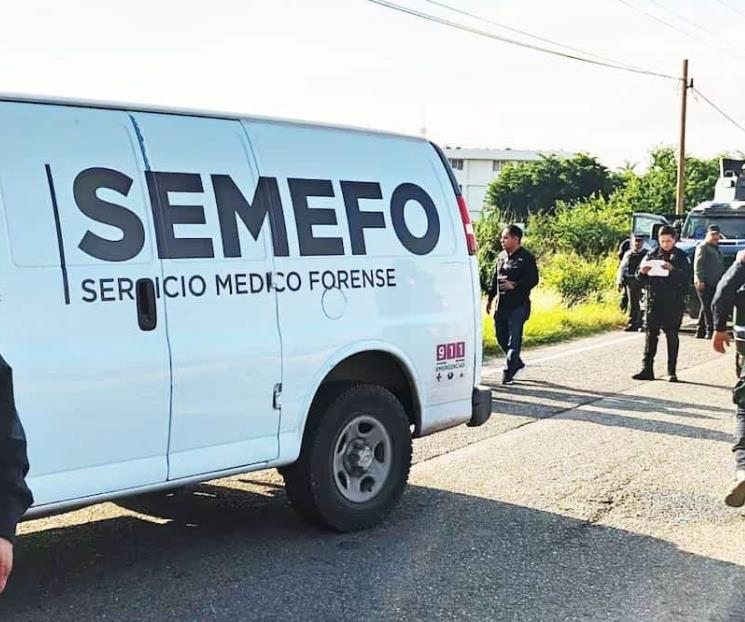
627 282
666 274
15 497
730 293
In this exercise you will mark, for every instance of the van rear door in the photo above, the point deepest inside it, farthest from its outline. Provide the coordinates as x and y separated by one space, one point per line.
92 387
222 315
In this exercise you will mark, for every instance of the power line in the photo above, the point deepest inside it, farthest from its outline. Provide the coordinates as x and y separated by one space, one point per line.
526 33
719 110
686 33
682 17
731 7
523 44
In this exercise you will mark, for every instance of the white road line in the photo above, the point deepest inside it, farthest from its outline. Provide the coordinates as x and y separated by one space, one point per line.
594 346
604 344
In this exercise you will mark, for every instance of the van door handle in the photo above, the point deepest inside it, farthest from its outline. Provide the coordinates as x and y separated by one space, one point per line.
147 311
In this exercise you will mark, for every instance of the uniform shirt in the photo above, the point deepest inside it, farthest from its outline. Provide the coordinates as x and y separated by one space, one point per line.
729 293
521 269
15 497
708 264
629 265
668 291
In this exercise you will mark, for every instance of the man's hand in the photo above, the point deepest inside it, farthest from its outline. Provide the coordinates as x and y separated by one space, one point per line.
6 562
721 341
620 288
666 265
506 285
700 286
645 269
489 304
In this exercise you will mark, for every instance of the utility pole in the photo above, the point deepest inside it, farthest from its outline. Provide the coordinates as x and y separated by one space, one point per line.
680 191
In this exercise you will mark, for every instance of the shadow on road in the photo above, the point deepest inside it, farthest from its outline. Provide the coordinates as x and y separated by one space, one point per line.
548 399
573 396
217 553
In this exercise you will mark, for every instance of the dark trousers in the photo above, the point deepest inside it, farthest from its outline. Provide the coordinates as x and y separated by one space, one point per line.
508 326
738 394
706 316
634 291
668 320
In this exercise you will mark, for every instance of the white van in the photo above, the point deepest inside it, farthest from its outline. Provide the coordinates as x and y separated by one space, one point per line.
189 295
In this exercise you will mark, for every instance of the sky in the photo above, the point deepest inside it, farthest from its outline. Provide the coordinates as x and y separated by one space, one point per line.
356 63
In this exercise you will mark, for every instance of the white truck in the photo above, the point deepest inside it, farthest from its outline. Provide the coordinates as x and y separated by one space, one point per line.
189 295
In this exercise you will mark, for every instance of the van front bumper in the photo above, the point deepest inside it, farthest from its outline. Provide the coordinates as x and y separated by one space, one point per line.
480 406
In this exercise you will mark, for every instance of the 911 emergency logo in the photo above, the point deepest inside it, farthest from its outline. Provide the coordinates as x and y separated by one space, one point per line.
451 361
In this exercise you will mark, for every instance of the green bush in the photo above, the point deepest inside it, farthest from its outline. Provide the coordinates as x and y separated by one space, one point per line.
576 279
591 228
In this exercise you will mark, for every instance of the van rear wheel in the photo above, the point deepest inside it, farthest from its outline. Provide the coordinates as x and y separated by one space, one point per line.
355 460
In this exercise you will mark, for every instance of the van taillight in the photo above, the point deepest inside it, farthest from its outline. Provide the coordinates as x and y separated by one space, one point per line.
473 245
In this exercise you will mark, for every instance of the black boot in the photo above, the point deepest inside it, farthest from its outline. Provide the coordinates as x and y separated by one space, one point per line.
673 344
644 374
650 349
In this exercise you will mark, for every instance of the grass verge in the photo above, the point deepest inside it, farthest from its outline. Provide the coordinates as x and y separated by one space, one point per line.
552 321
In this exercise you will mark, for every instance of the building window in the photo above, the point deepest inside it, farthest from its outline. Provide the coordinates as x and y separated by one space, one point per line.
496 165
460 188
456 163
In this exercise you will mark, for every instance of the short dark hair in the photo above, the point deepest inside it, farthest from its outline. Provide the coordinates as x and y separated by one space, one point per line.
667 230
514 231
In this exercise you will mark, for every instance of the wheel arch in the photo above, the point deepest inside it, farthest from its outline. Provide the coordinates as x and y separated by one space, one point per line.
375 364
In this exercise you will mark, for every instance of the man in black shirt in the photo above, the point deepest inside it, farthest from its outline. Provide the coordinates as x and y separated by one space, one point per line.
15 497
666 273
729 293
515 274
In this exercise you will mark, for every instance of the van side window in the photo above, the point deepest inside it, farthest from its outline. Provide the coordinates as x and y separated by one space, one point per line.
45 150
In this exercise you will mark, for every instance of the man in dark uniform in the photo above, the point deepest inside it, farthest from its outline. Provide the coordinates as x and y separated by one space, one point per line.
729 293
15 497
708 268
666 274
627 281
515 274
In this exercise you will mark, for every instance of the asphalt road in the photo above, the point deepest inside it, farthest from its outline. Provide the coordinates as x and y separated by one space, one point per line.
587 496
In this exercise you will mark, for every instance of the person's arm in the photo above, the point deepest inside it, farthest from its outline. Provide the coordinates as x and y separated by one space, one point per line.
726 294
641 272
530 277
494 287
698 264
15 497
683 264
622 269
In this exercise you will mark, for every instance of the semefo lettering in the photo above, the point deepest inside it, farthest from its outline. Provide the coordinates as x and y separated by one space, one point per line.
235 210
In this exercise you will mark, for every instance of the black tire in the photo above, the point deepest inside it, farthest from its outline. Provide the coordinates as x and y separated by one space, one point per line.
310 482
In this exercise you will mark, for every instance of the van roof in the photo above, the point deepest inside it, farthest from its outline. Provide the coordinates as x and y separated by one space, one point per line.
212 114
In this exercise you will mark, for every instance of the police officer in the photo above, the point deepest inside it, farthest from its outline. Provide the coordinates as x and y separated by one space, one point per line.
626 281
15 497
727 295
708 267
515 274
666 294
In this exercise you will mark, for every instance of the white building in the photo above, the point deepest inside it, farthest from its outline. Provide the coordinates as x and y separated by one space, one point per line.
476 168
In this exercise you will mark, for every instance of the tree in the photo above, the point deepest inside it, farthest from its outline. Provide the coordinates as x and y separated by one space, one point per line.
535 187
654 190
